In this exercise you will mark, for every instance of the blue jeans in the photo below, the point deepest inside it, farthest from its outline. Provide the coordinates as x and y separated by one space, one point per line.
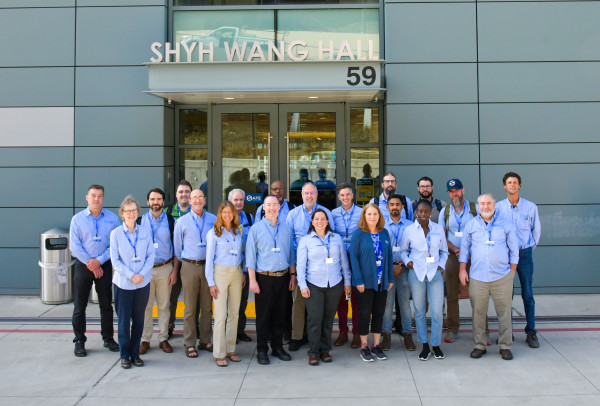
525 272
435 295
401 289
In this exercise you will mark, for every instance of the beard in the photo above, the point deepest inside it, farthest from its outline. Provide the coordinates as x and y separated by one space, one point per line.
390 190
425 194
458 202
489 213
157 207
395 213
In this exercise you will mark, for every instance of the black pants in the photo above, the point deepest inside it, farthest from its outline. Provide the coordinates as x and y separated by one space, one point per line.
83 279
320 310
175 292
131 307
243 304
271 308
371 302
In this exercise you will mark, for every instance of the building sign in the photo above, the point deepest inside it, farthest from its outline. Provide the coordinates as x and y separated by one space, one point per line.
365 190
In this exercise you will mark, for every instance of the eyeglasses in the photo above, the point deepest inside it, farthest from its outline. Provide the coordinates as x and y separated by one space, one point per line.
425 187
134 211
309 193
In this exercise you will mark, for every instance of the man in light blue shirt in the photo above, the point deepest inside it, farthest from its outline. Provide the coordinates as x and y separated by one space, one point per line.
525 218
490 241
89 242
389 185
278 190
189 244
299 221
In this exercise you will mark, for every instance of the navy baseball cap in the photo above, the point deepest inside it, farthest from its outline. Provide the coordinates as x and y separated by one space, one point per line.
454 184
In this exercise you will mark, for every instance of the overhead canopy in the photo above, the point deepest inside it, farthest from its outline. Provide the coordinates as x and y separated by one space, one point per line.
266 82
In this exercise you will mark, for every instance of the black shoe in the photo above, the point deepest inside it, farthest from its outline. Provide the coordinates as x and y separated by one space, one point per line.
281 354
378 353
424 355
506 354
532 340
125 363
296 344
80 348
137 362
437 352
170 333
111 345
262 358
287 338
244 337
366 355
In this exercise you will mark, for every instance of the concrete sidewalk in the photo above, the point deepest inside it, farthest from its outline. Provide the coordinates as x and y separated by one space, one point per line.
38 367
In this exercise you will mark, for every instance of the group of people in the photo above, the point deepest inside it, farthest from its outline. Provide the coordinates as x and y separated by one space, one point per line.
303 265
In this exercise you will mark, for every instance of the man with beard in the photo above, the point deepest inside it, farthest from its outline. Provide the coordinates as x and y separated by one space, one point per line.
425 189
389 188
490 241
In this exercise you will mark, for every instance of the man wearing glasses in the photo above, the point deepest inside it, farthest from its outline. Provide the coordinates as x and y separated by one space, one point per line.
425 189
389 185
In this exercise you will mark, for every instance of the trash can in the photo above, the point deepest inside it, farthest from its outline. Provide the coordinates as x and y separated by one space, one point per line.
56 267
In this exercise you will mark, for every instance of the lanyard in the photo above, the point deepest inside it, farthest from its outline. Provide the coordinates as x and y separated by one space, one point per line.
349 219
96 225
276 232
459 219
397 233
197 226
187 211
490 227
158 221
429 240
137 234
377 246
328 245
307 216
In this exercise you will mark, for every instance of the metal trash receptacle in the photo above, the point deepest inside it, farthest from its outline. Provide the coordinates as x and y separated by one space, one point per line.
56 267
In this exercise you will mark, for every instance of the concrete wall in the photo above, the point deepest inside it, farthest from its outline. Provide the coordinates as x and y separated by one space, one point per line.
479 89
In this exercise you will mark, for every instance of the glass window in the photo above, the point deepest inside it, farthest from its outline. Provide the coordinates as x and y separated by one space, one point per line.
364 125
193 167
365 173
193 127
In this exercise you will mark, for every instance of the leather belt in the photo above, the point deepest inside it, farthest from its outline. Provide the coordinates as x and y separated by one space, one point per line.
195 261
162 264
280 273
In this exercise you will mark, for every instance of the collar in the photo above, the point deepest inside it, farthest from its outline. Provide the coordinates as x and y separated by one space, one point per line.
88 212
135 227
349 210
196 215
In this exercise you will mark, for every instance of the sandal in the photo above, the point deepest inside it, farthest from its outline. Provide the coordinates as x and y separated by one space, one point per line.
191 352
221 362
207 347
233 357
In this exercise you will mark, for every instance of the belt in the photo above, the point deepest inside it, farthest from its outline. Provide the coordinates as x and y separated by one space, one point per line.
279 273
195 261
162 263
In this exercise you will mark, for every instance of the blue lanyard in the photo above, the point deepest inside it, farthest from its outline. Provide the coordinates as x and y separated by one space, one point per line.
377 246
276 232
328 245
459 219
490 227
179 211
309 215
397 233
197 226
95 224
158 221
349 219
137 234
429 240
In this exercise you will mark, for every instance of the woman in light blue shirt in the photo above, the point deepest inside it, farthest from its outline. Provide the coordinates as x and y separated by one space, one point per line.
323 275
225 279
132 257
424 250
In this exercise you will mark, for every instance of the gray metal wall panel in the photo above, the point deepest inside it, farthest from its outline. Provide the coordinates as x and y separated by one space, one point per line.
38 221
547 184
169 126
430 33
25 275
120 156
29 41
36 3
52 186
539 122
118 3
119 126
116 35
432 154
32 157
539 82
119 86
431 83
431 123
36 87
570 224
540 153
563 269
539 31
388 3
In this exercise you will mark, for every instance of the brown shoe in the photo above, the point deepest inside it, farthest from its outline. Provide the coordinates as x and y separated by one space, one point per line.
341 340
165 346
313 360
206 347
325 357
355 341
478 352
144 347
506 354
386 344
408 343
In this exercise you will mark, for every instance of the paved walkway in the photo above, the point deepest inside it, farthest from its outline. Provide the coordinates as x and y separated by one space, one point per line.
37 367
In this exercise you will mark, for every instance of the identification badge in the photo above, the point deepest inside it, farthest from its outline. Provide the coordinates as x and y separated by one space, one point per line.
329 260
395 249
430 260
97 238
233 252
136 259
276 249
202 244
155 245
489 242
458 233
378 263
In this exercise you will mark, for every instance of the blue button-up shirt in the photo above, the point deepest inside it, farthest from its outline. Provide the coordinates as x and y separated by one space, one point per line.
489 262
414 248
312 263
396 231
122 254
453 222
299 221
225 250
346 222
89 236
284 210
386 213
161 236
262 238
525 219
245 226
187 235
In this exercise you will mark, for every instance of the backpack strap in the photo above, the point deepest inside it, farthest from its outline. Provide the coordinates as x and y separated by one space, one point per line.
438 205
473 209
249 217
446 217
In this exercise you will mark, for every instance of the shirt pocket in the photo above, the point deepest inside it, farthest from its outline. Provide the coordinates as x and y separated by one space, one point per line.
498 235
523 222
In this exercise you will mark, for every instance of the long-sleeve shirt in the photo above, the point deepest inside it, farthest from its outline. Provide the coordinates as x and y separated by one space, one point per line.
346 222
489 261
161 236
89 236
456 223
526 220
396 231
245 227
319 265
284 210
417 248
225 250
189 237
131 253
299 221
270 247
386 213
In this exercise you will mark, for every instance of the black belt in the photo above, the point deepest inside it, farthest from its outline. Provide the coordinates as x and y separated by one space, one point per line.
195 261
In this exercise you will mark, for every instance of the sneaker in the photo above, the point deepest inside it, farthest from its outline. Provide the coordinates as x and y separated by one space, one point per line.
111 345
80 348
379 354
424 355
365 354
532 340
450 337
437 352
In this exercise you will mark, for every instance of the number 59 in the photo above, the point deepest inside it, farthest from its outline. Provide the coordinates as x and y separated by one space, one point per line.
368 75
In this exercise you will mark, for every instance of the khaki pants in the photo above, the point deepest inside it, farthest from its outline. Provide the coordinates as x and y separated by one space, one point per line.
194 284
501 291
298 315
228 280
452 288
161 291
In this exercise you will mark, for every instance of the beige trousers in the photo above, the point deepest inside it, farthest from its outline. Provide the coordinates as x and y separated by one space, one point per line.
161 291
194 284
298 315
228 280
